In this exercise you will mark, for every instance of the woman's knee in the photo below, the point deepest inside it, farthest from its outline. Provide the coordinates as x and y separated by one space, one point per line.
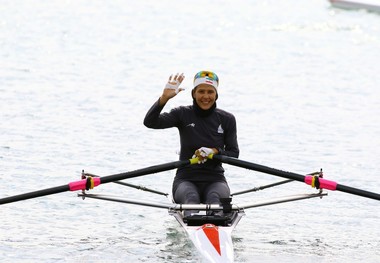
186 193
216 191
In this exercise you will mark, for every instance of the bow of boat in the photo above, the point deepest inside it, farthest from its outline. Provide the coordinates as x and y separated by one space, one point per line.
211 234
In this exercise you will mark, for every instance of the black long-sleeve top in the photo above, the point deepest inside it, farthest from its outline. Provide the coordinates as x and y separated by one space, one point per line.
216 130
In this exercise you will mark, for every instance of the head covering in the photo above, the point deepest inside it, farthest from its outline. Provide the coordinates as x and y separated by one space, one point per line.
206 77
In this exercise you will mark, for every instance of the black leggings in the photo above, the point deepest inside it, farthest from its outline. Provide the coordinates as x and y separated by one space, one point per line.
195 193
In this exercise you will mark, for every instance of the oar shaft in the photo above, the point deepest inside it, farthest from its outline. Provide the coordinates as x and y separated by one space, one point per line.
356 191
259 168
49 191
144 171
323 183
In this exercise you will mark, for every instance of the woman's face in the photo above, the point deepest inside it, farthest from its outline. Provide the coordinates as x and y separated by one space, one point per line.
205 96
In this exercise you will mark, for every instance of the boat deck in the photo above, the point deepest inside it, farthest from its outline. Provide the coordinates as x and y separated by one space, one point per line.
218 220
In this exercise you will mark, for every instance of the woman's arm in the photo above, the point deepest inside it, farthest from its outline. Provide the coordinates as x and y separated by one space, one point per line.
154 119
231 146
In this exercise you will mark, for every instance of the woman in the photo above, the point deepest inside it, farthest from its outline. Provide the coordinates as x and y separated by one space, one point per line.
204 129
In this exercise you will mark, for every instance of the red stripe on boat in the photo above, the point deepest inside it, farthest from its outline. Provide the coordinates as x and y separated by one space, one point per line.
212 234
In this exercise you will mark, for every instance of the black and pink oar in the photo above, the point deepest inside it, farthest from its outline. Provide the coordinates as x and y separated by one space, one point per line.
314 181
91 182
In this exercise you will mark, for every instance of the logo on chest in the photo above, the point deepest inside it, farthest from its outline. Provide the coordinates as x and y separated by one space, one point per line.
220 129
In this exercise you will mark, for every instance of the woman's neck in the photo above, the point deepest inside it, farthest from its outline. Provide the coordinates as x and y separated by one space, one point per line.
201 112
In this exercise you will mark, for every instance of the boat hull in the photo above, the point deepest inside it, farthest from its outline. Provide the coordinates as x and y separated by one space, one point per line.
347 4
213 240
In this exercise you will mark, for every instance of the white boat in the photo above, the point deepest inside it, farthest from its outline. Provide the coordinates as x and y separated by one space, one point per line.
210 229
211 234
369 5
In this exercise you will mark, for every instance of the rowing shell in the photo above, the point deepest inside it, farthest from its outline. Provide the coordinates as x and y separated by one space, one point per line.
211 235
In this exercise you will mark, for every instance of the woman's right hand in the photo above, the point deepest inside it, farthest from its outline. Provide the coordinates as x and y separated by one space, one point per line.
172 88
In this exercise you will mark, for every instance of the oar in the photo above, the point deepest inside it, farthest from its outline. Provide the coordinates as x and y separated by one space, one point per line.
314 181
91 182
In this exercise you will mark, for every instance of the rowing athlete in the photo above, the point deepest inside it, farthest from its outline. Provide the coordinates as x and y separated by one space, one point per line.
204 129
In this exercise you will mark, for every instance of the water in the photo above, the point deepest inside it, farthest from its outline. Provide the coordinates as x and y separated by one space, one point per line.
77 78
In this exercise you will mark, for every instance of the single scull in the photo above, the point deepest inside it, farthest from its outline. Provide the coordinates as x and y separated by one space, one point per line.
210 229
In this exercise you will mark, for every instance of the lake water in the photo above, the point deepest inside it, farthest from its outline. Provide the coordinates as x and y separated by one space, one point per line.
77 77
